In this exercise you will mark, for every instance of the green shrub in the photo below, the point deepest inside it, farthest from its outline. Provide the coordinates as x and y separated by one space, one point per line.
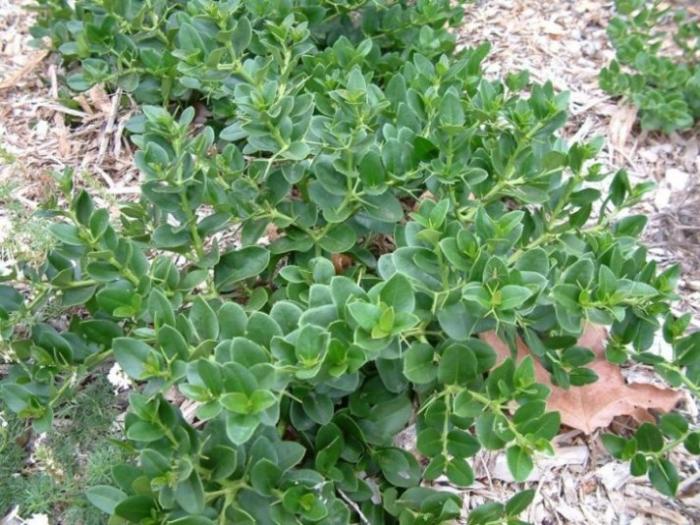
666 89
454 203
161 50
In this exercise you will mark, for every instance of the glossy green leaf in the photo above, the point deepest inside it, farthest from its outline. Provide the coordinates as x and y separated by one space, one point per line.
519 462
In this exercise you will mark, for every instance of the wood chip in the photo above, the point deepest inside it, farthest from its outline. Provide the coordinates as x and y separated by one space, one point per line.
14 78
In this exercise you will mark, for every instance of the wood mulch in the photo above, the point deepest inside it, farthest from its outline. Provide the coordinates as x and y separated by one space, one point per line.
564 42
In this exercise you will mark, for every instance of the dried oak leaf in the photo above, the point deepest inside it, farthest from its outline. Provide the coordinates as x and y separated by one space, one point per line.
593 406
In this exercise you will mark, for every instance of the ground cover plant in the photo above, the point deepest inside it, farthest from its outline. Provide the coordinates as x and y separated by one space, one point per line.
337 207
664 85
51 477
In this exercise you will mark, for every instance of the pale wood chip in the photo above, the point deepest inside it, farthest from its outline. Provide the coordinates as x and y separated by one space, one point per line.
621 125
14 78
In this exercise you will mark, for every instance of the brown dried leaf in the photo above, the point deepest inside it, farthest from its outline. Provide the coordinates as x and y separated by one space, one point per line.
84 104
341 262
426 195
202 115
100 99
593 406
272 232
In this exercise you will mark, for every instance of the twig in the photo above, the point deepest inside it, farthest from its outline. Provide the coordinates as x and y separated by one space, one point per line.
354 506
59 108
109 127
486 470
590 105
61 133
14 77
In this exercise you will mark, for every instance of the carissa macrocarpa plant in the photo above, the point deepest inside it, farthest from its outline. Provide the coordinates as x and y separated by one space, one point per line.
459 209
663 83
